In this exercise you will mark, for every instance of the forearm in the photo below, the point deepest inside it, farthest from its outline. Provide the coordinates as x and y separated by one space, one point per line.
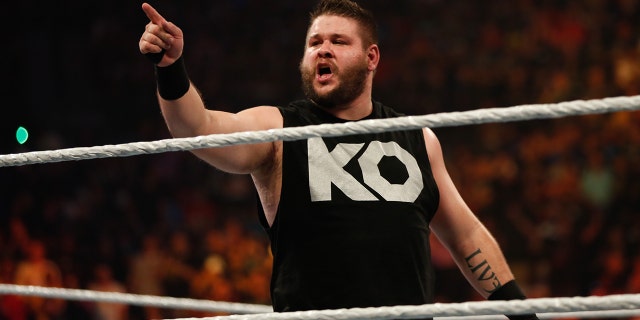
485 267
482 262
180 102
187 115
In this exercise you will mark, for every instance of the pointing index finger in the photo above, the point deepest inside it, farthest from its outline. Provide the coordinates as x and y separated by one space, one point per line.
152 14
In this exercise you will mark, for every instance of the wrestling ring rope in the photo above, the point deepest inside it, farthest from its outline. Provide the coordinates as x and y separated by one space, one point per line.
479 116
623 305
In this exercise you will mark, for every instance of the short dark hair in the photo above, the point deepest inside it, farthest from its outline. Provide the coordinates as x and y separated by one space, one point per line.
349 9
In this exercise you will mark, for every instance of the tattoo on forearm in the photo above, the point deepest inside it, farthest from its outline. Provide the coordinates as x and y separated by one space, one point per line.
482 269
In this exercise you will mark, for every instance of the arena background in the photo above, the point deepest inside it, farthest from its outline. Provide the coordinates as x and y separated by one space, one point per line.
561 196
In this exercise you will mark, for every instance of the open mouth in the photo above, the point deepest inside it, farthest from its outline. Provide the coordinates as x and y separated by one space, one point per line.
324 72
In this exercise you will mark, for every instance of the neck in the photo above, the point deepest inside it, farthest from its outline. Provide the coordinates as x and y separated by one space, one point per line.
357 109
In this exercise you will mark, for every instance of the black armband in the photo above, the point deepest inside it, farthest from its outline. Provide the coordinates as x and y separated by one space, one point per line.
511 291
173 80
155 57
508 291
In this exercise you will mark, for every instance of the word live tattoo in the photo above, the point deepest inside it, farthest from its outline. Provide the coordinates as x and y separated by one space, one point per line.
486 274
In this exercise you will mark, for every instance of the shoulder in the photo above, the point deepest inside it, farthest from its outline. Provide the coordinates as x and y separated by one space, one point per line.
434 149
296 106
430 137
262 117
385 111
303 112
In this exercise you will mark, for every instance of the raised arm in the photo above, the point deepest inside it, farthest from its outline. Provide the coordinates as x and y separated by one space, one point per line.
184 110
471 245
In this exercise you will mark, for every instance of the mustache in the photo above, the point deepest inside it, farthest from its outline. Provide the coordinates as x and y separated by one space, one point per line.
315 68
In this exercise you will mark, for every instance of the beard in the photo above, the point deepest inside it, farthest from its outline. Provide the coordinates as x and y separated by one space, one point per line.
351 85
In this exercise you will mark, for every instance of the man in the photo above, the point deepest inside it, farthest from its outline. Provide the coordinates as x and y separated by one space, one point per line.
348 217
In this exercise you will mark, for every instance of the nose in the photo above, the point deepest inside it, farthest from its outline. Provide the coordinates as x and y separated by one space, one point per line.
325 50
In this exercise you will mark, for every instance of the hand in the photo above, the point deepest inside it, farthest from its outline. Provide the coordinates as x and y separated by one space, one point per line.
162 40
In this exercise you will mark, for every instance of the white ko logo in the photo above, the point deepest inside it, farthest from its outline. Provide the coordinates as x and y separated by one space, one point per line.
327 168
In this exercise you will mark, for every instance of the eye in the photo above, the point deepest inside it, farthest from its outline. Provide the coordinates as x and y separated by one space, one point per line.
314 43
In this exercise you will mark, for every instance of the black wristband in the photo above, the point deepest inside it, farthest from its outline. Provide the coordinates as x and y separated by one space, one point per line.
511 291
173 80
508 291
155 57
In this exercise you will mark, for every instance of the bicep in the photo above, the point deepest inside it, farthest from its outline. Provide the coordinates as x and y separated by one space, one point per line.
240 158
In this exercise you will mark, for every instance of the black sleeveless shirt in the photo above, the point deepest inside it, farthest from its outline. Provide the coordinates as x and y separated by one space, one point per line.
352 226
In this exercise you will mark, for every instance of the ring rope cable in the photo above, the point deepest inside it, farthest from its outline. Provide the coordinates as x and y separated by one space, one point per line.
600 314
134 299
478 116
621 305
627 303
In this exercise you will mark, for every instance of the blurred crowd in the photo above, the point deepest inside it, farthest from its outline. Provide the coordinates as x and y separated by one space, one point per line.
560 195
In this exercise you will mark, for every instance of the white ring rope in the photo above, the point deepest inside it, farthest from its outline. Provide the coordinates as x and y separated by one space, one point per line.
487 115
135 299
600 314
623 305
627 303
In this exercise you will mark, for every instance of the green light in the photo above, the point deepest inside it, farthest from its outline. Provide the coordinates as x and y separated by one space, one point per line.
22 135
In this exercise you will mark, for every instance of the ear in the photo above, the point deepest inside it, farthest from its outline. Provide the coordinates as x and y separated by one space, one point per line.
373 57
